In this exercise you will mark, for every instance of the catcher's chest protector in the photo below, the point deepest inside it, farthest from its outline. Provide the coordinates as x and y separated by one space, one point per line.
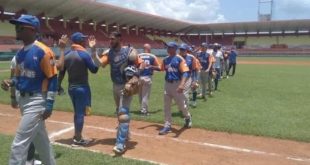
118 61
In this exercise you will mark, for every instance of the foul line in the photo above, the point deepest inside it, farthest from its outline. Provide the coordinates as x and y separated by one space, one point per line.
4 70
218 146
60 132
98 151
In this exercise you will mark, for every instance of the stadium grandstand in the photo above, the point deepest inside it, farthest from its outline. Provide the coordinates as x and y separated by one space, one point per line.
285 37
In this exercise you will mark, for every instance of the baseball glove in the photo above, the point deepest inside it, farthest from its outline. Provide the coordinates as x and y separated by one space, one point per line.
131 87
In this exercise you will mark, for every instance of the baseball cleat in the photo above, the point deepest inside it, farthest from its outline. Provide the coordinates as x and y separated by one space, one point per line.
119 148
188 123
164 131
194 104
144 113
81 142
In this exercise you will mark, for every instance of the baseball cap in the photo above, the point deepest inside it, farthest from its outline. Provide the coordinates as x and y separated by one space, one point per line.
183 46
172 45
78 37
27 20
204 44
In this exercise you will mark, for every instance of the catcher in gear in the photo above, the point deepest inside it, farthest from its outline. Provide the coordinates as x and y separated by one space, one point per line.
119 57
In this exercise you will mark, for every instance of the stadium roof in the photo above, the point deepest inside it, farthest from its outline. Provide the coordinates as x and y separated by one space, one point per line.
247 27
90 10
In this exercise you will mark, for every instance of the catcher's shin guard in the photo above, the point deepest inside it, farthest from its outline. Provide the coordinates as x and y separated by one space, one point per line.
123 127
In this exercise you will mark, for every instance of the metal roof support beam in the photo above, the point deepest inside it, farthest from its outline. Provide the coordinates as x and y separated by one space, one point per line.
95 25
73 19
65 22
117 27
127 29
270 32
297 32
107 27
1 13
283 33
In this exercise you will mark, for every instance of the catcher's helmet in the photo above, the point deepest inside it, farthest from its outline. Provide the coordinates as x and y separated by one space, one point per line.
130 71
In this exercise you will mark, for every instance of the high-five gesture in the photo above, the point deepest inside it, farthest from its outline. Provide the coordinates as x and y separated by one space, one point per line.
92 42
63 41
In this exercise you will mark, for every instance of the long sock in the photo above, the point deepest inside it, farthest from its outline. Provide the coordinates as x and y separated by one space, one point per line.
216 83
194 95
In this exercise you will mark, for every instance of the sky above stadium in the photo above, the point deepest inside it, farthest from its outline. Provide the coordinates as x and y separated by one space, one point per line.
214 11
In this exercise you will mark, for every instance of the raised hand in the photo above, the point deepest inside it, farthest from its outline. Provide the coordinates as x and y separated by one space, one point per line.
92 42
63 41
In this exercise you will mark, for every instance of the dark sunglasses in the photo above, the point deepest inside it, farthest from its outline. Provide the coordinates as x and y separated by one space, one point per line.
19 28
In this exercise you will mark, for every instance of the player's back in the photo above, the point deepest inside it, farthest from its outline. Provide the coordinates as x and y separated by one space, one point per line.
76 68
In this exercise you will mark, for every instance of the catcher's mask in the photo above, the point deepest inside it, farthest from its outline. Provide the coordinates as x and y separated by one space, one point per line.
130 71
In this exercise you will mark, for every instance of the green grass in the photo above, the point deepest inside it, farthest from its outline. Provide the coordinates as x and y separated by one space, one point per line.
5 65
298 59
263 100
68 156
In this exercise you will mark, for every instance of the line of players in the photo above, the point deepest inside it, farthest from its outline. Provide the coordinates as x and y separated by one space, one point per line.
184 67
208 64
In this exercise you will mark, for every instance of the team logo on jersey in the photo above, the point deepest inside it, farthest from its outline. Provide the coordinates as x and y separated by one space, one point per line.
26 72
169 68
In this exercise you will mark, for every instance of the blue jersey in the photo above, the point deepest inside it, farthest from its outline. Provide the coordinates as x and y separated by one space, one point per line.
36 70
204 59
175 67
232 57
191 62
118 61
148 60
77 63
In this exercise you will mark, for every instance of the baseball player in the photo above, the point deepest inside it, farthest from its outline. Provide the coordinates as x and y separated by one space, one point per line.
77 62
35 80
226 64
191 62
195 84
232 61
218 56
149 64
205 60
14 104
119 58
177 73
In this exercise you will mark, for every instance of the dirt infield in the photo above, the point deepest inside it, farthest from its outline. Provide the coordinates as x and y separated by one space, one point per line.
182 146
